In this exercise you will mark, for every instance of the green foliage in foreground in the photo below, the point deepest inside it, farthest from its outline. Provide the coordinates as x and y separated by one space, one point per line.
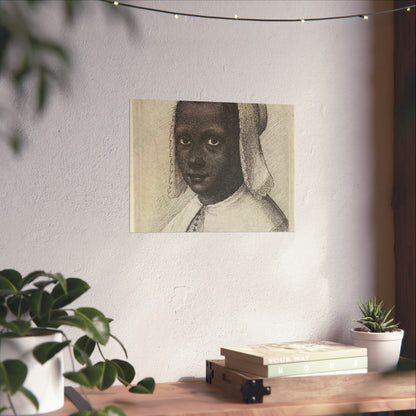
41 301
34 62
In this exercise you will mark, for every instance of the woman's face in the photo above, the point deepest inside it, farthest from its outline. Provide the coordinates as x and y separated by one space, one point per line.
207 149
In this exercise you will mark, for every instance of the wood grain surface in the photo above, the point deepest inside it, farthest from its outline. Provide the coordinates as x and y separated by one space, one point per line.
299 396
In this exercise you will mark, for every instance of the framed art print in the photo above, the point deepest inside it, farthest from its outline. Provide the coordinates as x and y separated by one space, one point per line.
211 166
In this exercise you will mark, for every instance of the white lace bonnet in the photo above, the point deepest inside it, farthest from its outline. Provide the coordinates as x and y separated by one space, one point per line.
257 178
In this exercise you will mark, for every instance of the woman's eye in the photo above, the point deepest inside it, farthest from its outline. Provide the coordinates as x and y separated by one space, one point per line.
184 141
213 141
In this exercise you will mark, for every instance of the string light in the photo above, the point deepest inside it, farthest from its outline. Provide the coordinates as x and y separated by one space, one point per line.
249 19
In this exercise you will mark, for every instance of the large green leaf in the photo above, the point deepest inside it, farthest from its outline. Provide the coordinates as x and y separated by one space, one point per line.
3 312
110 411
82 357
45 351
13 276
83 413
30 396
40 304
31 277
83 349
88 377
55 315
75 288
75 321
12 375
62 281
91 321
125 371
43 284
18 305
54 277
105 411
108 374
18 327
145 386
7 287
98 328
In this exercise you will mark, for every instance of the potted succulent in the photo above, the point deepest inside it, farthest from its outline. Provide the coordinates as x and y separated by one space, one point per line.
380 335
34 310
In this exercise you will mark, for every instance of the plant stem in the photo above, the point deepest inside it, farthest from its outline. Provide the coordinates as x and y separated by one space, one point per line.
19 310
101 353
73 369
11 404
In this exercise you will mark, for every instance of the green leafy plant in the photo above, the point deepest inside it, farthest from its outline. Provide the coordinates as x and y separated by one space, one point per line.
41 301
33 60
375 317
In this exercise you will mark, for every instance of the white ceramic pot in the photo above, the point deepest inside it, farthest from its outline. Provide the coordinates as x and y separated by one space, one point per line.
383 348
44 381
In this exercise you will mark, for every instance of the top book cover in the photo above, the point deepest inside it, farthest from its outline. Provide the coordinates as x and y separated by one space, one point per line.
291 352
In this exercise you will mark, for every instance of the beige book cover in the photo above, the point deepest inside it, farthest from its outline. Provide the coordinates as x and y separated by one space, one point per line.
291 352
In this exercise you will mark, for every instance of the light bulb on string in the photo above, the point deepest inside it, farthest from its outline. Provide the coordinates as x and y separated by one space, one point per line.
249 19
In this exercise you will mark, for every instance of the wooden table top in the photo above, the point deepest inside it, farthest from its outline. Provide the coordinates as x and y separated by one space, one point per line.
198 398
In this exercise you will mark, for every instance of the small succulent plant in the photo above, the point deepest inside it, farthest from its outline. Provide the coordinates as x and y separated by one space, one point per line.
375 318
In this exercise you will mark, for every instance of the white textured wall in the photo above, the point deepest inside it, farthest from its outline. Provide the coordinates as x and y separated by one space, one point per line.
176 299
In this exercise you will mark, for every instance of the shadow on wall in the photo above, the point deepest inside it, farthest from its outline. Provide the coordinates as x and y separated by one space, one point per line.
403 201
383 139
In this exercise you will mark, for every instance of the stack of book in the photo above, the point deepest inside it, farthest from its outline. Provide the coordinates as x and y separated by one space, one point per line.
296 359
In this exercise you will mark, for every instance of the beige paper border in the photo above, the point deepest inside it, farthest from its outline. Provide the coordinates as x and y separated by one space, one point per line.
150 124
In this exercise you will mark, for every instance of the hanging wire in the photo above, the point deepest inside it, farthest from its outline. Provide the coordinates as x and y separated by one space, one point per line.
249 19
